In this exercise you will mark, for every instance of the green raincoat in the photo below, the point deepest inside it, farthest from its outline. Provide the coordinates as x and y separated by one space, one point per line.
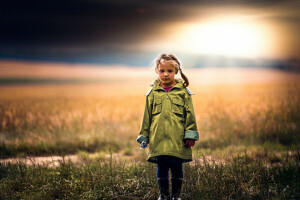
168 120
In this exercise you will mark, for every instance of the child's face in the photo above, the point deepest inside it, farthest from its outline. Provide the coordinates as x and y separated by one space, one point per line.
166 73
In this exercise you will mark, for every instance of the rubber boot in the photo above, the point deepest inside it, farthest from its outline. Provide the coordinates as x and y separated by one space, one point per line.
176 188
164 189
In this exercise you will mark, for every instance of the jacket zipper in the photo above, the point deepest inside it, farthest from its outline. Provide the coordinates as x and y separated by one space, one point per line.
165 91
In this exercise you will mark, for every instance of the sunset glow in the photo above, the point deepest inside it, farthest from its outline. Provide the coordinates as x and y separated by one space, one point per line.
225 37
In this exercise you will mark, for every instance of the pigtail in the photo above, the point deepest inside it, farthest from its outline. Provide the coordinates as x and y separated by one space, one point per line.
186 80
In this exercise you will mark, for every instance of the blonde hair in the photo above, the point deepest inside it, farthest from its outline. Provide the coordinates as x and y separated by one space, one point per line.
171 59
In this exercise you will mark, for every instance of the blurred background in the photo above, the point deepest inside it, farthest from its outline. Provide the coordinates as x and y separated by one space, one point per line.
73 73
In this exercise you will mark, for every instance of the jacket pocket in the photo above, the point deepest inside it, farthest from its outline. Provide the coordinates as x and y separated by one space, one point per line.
156 106
177 106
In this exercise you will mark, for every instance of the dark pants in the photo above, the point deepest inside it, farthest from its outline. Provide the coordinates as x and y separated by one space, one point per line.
164 163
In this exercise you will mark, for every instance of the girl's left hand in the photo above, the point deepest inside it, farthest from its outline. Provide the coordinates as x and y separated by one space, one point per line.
189 143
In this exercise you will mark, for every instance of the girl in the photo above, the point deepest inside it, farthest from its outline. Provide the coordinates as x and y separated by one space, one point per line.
169 125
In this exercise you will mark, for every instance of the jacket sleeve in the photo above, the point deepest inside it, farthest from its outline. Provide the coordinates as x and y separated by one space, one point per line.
190 120
146 122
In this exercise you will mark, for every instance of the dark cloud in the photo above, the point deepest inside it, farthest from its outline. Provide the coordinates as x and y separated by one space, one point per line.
103 26
81 21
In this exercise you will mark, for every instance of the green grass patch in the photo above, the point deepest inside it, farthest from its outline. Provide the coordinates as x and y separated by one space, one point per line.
242 178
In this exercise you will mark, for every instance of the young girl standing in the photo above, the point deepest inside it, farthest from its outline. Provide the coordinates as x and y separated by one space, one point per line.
169 125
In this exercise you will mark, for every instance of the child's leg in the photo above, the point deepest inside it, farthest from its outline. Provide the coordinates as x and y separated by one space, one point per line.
177 177
163 177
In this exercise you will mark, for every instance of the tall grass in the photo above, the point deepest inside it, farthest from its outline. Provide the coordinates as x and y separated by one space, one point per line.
46 120
249 115
60 123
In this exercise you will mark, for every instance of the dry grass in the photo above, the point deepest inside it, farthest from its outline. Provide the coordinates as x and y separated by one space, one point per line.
234 107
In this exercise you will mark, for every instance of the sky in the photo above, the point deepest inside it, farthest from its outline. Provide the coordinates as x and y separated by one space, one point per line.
134 32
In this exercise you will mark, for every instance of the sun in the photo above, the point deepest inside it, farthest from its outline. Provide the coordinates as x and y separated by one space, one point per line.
224 37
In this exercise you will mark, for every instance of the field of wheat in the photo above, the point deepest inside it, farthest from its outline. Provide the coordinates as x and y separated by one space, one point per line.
243 115
242 108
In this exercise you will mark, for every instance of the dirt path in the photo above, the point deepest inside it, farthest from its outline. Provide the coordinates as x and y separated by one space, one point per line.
51 161
54 161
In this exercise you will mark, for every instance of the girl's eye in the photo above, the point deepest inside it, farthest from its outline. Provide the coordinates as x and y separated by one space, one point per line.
170 71
161 71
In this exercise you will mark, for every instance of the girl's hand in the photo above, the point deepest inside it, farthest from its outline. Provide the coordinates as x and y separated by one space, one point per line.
189 143
143 145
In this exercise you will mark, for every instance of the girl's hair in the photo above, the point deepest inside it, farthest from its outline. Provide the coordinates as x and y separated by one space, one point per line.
171 59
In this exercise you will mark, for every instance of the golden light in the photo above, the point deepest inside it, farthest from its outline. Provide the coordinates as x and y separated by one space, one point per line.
226 37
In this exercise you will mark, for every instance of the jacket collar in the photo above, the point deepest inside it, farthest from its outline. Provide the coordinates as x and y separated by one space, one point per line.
178 85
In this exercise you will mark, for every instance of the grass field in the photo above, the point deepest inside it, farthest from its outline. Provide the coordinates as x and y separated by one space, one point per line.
248 120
